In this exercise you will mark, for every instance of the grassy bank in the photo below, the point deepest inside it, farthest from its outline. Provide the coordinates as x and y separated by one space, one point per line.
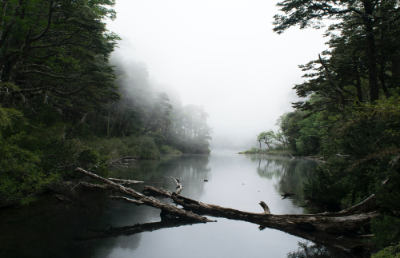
272 151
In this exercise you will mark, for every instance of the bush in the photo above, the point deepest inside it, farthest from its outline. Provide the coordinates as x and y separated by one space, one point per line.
89 157
165 149
114 148
388 252
22 171
386 230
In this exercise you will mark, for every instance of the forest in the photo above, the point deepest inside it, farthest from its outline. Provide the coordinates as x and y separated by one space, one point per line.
351 112
64 103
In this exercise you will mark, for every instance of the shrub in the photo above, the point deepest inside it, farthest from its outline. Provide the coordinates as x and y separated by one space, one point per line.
165 149
89 157
386 230
388 252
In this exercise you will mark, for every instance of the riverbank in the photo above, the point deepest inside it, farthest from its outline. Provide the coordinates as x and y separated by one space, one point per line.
79 229
284 152
254 150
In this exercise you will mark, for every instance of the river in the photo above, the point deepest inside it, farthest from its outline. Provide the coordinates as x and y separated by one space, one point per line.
48 228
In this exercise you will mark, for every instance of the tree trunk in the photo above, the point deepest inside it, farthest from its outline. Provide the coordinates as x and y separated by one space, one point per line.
321 228
345 221
371 53
358 79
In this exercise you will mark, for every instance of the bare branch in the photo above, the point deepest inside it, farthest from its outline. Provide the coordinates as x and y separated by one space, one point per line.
150 201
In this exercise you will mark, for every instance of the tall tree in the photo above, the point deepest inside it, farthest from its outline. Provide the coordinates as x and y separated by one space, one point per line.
266 137
363 13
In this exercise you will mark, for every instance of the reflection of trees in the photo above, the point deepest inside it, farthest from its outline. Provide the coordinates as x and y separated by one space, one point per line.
181 166
296 173
312 250
191 170
290 175
47 228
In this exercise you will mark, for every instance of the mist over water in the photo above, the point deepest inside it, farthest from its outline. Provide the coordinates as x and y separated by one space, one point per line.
219 54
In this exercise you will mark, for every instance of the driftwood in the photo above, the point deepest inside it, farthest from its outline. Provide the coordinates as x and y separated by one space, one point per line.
125 181
123 160
331 229
336 229
345 221
179 186
140 199
342 156
287 194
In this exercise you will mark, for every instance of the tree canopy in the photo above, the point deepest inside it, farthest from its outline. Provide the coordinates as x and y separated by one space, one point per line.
352 103
63 104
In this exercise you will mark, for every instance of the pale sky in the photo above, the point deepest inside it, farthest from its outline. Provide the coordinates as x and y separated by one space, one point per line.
221 54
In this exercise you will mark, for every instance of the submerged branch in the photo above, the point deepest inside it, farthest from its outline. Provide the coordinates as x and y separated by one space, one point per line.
135 229
143 199
321 228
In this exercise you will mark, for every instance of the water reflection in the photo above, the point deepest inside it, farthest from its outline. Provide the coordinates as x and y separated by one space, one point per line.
309 249
290 174
114 232
94 226
191 170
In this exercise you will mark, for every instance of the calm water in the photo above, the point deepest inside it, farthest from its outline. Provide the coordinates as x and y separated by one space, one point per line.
236 181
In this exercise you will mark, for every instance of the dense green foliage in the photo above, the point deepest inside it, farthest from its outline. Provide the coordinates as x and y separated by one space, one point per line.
352 112
63 104
54 71
388 252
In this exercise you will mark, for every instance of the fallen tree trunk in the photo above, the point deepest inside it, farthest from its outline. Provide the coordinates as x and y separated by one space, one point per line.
141 199
345 221
324 228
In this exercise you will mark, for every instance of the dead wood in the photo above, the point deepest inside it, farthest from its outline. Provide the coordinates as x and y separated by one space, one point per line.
346 221
178 184
125 181
143 199
331 229
287 194
123 160
342 156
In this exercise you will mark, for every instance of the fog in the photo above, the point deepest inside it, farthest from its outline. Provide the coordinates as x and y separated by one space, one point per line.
221 54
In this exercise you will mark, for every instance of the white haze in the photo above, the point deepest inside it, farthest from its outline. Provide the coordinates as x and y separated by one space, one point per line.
221 54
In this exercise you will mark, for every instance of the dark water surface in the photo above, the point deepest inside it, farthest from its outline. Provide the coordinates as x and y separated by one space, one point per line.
81 229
